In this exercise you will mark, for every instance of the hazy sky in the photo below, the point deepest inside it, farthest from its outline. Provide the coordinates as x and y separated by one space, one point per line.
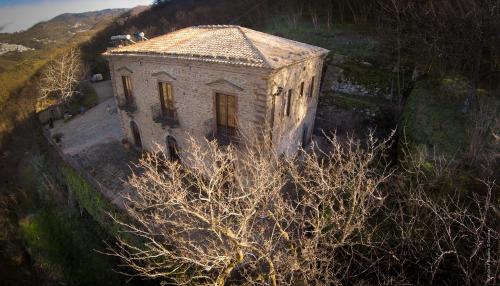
16 15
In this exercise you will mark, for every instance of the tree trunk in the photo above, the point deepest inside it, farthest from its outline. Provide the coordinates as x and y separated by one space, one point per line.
471 99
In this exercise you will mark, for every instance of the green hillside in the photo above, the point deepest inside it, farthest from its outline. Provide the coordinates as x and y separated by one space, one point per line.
60 29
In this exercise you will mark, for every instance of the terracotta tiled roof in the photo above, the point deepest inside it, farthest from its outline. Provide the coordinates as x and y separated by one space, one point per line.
225 44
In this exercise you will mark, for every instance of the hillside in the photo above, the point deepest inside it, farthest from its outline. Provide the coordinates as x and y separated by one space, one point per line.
60 28
50 38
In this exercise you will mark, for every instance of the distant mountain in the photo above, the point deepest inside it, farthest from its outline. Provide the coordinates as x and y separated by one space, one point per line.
60 28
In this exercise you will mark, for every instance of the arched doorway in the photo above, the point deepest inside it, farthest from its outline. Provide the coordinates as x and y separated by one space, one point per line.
136 135
305 136
172 148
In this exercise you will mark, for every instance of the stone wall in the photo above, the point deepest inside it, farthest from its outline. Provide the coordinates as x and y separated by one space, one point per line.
289 131
194 87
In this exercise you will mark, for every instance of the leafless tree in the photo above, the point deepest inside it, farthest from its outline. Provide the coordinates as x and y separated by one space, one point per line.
314 17
397 9
246 214
443 233
446 36
61 77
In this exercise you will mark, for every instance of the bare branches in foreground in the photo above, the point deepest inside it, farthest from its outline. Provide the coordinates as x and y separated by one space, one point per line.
334 217
249 215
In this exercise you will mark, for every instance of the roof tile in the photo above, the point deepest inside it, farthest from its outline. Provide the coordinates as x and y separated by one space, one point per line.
224 44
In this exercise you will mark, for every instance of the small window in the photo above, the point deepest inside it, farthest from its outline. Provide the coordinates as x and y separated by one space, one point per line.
127 89
288 103
166 97
301 88
311 91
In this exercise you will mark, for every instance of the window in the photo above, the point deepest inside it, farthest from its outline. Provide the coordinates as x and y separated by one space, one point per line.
166 98
127 89
288 103
301 88
226 114
311 91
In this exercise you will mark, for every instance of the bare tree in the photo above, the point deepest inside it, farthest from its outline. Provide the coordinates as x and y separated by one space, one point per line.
447 36
245 214
397 9
61 77
443 233
314 17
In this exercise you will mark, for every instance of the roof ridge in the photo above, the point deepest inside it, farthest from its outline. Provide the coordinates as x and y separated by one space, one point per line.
267 63
215 26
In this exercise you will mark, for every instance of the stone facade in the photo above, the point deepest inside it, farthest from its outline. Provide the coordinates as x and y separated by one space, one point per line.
261 94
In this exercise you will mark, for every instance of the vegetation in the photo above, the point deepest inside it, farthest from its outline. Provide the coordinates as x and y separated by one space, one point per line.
62 76
62 244
20 72
434 119
98 207
432 220
339 215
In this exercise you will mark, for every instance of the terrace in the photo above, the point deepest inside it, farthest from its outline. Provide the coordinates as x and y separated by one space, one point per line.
91 143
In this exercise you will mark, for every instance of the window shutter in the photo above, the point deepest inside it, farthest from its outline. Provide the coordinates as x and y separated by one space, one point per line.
231 111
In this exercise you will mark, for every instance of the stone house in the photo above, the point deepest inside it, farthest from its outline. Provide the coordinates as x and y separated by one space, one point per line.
221 82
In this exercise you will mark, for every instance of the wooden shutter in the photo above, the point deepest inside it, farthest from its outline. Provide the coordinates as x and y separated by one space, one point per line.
169 98
231 111
127 88
226 113
221 110
166 97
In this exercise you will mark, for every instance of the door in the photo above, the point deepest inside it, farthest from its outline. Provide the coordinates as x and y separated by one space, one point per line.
136 135
172 148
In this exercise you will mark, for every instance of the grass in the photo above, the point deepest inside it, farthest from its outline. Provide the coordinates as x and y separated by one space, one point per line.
432 119
350 102
62 244
355 41
61 240
372 78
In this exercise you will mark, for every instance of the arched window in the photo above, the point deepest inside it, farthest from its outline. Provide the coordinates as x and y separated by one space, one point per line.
172 148
136 134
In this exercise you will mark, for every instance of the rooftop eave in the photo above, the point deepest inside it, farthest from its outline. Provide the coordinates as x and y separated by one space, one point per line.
194 58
